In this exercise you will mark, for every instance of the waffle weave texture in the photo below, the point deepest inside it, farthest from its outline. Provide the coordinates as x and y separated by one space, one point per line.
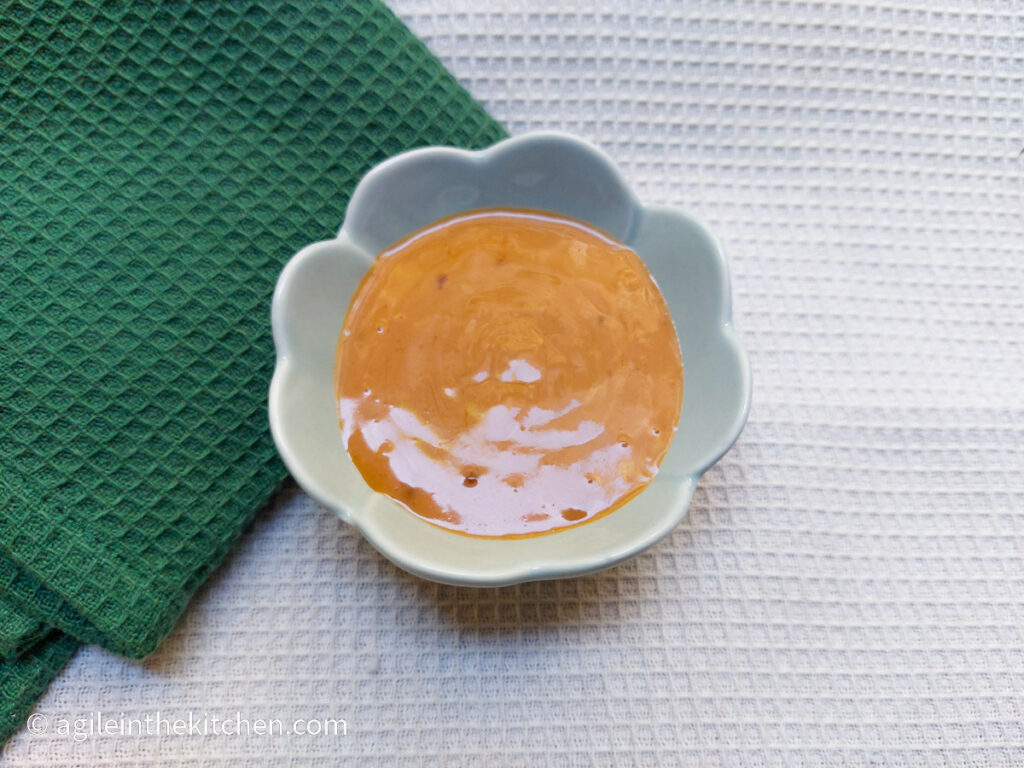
847 590
159 163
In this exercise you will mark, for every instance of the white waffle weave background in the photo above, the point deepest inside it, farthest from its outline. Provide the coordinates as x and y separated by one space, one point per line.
848 589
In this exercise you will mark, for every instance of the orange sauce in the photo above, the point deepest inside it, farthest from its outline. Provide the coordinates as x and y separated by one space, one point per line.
508 373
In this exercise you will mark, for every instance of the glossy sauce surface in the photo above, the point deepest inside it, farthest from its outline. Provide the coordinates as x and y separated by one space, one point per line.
507 373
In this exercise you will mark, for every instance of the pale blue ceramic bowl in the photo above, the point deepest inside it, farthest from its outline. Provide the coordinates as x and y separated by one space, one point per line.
541 171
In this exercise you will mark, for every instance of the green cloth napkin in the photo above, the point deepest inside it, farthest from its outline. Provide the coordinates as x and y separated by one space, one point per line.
158 165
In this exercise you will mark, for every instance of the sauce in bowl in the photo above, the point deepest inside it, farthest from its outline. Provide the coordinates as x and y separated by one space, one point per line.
508 373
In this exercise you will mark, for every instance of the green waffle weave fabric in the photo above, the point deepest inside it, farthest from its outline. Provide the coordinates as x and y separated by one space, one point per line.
158 165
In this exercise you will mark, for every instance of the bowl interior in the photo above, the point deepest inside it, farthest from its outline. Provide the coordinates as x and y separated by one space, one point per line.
309 309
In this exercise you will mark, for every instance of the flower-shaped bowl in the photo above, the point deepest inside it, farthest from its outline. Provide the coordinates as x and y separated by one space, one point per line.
539 171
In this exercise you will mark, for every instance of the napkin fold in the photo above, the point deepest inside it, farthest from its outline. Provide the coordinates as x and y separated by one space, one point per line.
158 165
23 678
18 631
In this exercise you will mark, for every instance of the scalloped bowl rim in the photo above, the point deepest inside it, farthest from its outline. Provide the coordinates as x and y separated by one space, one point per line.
528 568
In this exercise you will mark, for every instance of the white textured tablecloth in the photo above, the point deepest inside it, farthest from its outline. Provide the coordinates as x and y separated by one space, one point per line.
848 589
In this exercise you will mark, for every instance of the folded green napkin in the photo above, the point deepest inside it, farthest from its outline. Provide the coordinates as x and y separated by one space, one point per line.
158 165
